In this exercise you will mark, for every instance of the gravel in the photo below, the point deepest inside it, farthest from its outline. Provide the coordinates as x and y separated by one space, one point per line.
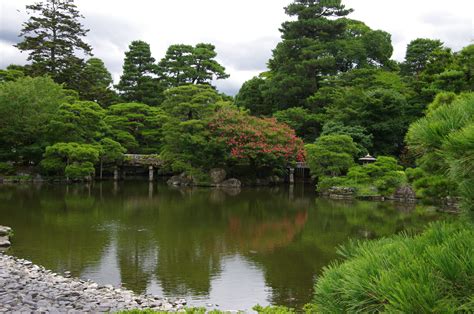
26 287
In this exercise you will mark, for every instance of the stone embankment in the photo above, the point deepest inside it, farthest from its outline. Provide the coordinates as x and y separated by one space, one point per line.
25 287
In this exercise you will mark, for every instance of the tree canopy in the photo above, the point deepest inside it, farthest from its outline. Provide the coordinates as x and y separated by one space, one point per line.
139 82
185 64
52 36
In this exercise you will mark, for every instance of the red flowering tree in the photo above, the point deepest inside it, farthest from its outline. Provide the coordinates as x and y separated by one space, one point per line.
259 142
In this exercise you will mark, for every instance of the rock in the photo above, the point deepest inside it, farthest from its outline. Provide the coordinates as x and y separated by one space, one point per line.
181 180
5 231
337 192
217 175
405 193
4 242
25 287
230 183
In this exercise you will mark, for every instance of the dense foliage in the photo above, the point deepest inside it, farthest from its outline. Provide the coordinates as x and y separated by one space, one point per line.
331 155
443 143
52 36
380 178
431 272
26 107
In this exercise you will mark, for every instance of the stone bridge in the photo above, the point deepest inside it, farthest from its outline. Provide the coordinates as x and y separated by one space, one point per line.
153 161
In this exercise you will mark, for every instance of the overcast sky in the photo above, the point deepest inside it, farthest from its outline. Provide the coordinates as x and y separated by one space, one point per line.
243 31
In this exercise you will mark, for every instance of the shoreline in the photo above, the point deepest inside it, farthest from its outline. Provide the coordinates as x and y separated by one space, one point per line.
26 287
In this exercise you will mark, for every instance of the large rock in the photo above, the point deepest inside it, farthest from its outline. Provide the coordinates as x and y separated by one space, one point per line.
181 180
231 183
405 193
338 192
217 175
5 231
4 242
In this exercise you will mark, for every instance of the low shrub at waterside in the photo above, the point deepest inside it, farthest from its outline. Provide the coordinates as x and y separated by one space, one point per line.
381 178
429 273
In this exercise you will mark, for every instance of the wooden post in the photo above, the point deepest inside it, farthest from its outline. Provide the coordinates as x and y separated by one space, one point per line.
292 175
150 173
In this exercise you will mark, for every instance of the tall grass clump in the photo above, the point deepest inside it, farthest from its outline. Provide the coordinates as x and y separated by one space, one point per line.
431 272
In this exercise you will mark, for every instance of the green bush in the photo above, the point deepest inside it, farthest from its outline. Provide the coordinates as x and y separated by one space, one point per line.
331 155
382 177
79 171
428 273
6 168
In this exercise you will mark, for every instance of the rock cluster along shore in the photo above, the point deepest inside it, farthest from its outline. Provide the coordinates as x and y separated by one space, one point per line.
5 233
25 287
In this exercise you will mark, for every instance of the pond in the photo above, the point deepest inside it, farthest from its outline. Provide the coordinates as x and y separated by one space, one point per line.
232 249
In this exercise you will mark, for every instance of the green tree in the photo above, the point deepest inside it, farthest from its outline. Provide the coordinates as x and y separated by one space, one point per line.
442 142
26 107
96 82
11 73
458 75
137 127
378 104
251 97
419 53
80 122
359 134
138 82
317 43
206 68
111 152
175 67
305 123
331 155
52 36
185 64
75 161
192 102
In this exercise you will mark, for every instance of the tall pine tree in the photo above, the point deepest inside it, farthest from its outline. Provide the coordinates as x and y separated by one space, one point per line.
138 82
53 35
185 64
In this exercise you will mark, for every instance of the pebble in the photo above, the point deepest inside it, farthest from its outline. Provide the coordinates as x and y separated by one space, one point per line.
25 287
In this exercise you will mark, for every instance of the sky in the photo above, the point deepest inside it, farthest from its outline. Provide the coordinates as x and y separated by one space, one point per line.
243 31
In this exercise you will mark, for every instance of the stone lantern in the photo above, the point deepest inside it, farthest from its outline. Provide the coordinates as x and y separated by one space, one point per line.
368 159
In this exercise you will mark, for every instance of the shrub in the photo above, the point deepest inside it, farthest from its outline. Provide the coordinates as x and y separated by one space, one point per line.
263 142
76 160
431 272
6 168
331 155
79 171
382 177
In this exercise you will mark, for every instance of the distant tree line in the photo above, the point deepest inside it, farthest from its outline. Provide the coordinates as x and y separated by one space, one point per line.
330 79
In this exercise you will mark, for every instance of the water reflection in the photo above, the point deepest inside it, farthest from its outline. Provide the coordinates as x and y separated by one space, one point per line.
226 247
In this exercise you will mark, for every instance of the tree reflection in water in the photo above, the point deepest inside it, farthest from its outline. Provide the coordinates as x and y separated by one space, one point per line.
181 238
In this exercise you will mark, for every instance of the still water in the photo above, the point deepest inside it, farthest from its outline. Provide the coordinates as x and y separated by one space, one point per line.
231 249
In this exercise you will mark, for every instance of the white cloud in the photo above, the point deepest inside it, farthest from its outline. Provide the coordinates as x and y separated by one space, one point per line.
244 31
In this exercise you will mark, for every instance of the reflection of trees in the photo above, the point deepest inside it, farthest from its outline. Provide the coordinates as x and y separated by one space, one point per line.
290 270
54 229
181 236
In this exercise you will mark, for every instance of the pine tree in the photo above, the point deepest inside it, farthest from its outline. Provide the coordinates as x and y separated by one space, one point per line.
52 36
96 82
185 64
138 82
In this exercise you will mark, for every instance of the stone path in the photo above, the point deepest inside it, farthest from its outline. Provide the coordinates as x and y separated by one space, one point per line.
25 287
